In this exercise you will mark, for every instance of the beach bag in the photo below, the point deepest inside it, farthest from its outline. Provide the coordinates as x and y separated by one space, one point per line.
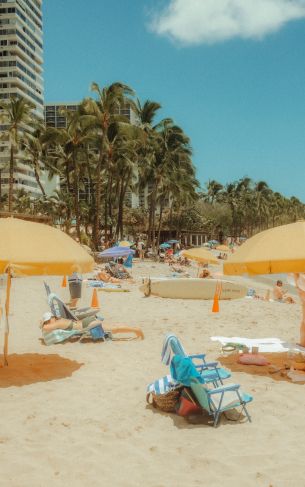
166 402
97 333
187 403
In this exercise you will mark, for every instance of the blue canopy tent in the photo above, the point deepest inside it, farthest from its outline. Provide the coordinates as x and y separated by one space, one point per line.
171 242
116 252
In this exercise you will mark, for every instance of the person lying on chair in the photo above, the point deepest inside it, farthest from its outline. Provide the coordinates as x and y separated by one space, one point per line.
50 323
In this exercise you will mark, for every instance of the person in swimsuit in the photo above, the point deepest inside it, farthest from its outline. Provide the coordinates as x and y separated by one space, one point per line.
50 323
280 295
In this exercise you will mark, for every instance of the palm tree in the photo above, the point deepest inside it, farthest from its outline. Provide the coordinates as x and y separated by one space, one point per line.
262 193
17 114
68 147
32 145
213 192
105 112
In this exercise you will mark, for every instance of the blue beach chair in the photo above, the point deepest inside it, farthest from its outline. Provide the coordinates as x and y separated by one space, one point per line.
221 399
210 371
215 401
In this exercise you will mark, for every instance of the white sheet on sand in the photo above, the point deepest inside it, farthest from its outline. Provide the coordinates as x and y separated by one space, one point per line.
264 344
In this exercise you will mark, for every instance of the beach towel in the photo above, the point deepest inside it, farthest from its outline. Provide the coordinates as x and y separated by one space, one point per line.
102 284
58 336
264 344
162 385
171 345
183 370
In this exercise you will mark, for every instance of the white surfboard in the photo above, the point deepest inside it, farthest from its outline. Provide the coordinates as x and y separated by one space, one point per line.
192 288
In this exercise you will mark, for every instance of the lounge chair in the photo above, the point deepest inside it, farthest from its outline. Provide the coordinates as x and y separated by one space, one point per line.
64 311
210 371
221 399
61 310
58 336
215 401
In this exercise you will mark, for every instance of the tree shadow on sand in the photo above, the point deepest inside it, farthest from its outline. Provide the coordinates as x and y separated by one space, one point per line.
30 368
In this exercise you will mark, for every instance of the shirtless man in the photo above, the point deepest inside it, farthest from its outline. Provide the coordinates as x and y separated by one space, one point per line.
280 295
300 282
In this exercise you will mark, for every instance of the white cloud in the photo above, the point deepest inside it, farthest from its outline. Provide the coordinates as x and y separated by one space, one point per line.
209 21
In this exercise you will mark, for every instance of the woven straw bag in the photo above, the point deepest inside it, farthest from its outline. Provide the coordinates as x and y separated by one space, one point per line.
165 402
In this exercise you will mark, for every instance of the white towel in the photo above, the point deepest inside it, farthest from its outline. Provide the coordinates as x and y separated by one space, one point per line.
264 344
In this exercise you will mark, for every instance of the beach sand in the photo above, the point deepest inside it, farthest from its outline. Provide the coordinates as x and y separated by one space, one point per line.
76 414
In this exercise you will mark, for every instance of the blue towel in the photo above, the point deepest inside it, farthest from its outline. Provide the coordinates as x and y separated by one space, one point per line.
128 262
183 370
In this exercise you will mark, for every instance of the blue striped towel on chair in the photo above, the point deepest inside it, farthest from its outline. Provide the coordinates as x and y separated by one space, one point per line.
171 345
163 385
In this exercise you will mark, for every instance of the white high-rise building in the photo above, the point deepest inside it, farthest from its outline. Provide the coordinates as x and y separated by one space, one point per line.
21 58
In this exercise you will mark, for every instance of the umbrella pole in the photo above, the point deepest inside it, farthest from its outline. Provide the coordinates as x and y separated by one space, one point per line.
7 310
302 298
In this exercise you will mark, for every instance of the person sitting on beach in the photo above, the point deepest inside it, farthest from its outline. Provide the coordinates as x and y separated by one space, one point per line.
102 275
50 323
205 274
280 295
120 271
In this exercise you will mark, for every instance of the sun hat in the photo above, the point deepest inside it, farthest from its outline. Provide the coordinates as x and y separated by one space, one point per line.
46 317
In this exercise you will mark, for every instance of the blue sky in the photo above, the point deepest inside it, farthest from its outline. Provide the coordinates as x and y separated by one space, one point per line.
231 76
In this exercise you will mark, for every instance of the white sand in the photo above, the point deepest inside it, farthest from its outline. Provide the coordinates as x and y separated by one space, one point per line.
92 427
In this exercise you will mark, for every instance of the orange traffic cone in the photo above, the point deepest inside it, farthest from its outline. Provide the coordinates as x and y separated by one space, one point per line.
64 282
94 301
215 307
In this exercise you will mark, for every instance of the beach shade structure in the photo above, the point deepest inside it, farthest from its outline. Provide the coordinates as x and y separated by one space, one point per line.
116 252
274 251
200 255
223 248
34 249
165 246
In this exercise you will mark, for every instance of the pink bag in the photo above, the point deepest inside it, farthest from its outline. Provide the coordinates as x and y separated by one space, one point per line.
252 359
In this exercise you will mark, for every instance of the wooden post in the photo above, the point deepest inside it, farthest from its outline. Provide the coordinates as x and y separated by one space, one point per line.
7 310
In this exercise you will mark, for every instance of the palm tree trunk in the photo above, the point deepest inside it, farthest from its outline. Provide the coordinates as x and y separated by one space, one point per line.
76 198
39 184
96 223
159 225
11 180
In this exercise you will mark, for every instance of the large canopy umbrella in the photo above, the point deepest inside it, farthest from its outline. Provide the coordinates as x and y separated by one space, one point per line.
31 249
173 241
116 252
200 255
277 250
223 248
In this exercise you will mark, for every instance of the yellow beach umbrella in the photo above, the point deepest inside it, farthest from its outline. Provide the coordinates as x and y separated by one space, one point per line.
223 248
28 249
200 255
277 250
125 243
